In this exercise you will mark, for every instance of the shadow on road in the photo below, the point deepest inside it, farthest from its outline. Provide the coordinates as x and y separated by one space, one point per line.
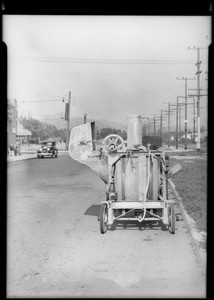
131 225
93 210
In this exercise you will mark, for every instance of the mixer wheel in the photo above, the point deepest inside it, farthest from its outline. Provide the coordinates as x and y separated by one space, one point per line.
171 219
103 218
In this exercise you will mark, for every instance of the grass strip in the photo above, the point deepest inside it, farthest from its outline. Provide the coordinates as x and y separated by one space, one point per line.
191 184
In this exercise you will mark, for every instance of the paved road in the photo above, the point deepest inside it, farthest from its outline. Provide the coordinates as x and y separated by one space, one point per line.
55 248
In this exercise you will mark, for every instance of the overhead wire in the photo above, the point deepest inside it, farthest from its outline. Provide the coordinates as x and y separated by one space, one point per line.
102 61
40 101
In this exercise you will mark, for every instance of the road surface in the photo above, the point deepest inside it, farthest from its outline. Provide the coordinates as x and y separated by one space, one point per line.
55 248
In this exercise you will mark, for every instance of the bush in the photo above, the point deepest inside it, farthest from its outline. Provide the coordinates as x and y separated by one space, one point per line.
155 141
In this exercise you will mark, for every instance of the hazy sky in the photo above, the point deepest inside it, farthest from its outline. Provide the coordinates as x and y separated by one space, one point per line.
113 65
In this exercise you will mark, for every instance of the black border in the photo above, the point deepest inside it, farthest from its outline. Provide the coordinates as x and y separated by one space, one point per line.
70 7
145 7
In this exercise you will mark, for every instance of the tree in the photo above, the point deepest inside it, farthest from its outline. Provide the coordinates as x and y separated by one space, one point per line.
41 130
106 131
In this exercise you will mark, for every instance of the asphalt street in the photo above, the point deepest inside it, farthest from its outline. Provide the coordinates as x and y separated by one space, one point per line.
55 248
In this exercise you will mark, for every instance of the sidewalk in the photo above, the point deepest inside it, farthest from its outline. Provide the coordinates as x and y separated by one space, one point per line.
23 156
27 155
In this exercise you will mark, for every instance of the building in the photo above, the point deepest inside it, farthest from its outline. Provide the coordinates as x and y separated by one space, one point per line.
23 135
11 121
15 130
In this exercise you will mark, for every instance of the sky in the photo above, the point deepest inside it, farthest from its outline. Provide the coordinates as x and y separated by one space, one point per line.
112 65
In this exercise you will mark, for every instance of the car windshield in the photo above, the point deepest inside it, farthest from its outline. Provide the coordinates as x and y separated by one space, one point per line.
46 144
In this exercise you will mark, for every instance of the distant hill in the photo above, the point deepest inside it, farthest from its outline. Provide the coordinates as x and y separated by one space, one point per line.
105 124
60 123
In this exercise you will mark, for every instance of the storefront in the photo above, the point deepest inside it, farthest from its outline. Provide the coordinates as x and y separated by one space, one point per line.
11 121
22 135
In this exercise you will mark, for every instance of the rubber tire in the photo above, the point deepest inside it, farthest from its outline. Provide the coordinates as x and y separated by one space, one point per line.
103 218
172 219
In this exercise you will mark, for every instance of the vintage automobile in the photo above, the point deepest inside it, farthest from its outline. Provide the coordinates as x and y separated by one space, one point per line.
47 149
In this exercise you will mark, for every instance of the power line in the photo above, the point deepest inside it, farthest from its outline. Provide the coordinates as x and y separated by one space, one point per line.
95 74
113 95
103 61
55 96
40 101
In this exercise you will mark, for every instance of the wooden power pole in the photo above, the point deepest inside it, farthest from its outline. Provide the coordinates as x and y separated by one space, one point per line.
67 117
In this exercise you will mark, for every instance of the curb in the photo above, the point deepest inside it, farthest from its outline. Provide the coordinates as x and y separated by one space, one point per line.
35 152
196 235
20 160
31 157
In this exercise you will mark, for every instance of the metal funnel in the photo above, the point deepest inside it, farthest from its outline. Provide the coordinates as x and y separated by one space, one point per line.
82 148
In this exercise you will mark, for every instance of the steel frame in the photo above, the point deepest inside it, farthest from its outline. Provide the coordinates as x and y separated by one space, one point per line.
145 205
138 205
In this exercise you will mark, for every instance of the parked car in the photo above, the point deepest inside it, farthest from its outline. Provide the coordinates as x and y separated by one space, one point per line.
47 149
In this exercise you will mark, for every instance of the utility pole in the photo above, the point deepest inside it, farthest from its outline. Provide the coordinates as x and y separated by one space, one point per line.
161 123
161 118
145 124
168 112
180 107
148 128
177 124
198 103
68 119
176 138
201 89
85 115
178 112
168 124
154 123
185 130
194 120
146 133
164 111
198 94
179 118
149 125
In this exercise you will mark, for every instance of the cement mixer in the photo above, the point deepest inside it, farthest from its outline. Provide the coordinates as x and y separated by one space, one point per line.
135 176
